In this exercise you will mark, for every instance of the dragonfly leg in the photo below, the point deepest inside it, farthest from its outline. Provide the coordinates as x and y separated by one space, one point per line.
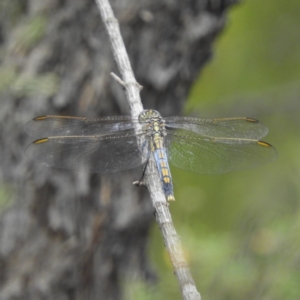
141 181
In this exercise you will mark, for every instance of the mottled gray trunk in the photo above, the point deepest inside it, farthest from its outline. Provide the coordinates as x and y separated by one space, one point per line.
67 234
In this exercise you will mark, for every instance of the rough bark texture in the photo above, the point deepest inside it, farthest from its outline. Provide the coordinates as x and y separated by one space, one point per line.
72 235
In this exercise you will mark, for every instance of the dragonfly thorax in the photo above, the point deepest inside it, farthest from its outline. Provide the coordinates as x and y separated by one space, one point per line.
153 122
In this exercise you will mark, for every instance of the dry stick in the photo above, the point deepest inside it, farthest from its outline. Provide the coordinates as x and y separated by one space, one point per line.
163 216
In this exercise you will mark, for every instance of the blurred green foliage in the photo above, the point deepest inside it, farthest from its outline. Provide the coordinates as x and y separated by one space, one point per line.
27 84
240 231
45 85
26 35
6 196
258 49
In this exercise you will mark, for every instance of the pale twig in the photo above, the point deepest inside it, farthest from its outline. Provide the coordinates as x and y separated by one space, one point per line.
152 181
118 79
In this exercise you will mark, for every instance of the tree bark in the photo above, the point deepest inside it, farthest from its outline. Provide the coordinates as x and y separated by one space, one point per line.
67 234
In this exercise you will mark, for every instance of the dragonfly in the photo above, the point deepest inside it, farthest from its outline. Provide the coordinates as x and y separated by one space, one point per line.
110 144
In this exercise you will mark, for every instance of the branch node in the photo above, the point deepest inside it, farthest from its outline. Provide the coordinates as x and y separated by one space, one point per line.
140 87
111 20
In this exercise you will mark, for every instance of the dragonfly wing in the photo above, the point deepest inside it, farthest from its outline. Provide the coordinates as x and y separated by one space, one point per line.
77 126
216 155
246 128
99 154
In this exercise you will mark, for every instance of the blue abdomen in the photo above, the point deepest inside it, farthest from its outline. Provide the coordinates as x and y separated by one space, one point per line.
164 172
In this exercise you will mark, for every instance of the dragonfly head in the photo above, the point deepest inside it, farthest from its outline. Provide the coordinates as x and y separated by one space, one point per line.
148 114
153 122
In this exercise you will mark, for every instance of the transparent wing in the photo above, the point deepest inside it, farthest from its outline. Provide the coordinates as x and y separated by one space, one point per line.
216 155
65 126
226 128
100 154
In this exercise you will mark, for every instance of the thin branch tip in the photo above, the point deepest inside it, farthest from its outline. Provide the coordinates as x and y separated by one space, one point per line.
117 78
123 83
